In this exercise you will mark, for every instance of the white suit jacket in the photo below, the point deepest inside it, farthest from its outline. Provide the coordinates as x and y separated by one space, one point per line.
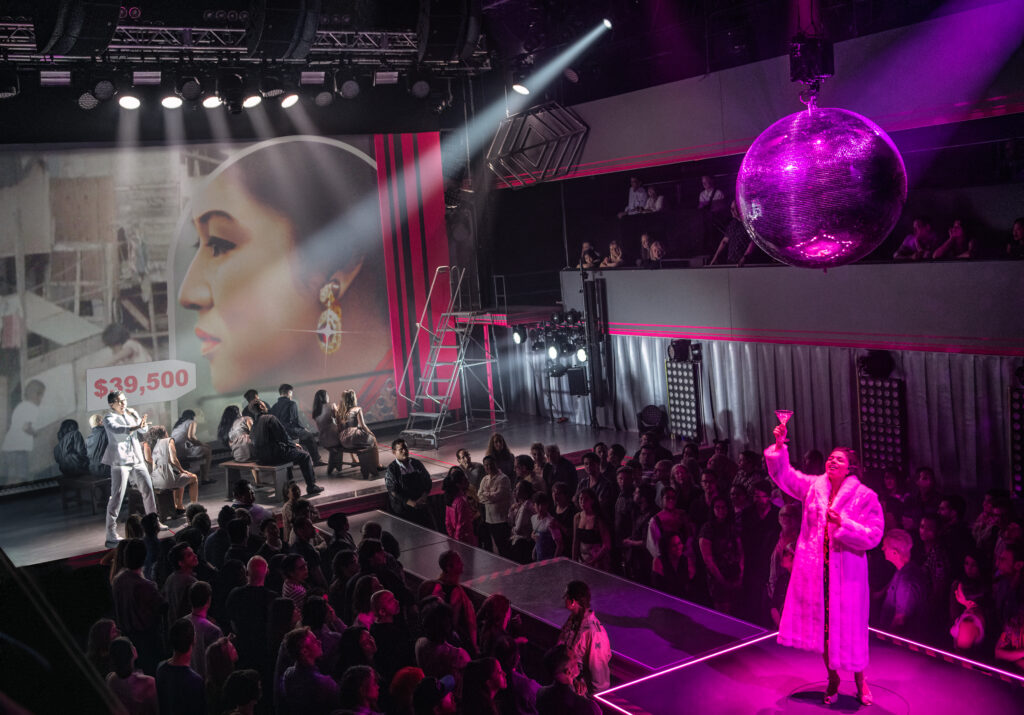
123 446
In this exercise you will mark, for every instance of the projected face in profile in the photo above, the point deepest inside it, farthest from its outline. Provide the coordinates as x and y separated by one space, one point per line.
284 231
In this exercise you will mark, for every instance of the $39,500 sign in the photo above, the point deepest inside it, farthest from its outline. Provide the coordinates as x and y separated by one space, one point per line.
142 383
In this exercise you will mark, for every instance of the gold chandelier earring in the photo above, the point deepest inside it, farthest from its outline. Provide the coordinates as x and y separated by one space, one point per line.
328 326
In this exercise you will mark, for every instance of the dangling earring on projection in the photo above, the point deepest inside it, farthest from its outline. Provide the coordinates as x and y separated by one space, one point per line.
328 326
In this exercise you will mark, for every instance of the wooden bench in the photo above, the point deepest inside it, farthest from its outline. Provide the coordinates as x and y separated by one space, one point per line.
276 474
98 489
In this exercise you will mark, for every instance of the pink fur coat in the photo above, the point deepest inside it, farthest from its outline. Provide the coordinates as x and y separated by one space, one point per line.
803 616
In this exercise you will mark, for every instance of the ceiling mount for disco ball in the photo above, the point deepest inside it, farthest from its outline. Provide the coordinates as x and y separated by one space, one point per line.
822 187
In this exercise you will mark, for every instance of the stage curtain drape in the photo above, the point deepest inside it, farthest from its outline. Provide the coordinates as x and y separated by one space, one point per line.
957 411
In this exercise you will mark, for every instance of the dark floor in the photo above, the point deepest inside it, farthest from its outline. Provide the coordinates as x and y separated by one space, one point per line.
34 529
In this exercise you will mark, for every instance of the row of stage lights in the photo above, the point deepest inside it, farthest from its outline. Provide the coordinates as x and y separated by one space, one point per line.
234 89
563 336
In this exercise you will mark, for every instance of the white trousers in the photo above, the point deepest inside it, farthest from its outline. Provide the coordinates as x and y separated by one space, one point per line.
119 476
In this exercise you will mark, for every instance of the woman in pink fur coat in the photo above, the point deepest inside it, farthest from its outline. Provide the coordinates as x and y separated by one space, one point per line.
828 600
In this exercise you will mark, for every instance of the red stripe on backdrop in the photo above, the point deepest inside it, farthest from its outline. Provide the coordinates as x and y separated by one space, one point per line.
416 283
392 258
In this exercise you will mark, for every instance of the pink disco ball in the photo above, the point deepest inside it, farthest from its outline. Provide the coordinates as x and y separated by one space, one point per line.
821 188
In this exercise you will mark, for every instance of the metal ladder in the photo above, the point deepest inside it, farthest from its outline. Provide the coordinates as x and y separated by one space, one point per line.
446 364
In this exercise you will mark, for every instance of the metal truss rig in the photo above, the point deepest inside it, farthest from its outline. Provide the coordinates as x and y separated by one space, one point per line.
149 44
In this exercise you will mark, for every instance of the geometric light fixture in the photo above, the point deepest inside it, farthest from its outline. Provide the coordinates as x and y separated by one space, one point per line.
1017 436
882 422
682 382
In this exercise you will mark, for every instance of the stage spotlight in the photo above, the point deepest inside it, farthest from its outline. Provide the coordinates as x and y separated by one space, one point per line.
557 369
581 354
558 318
230 89
171 101
323 98
129 101
346 84
271 86
553 352
9 84
212 101
519 82
573 317
190 88
87 101
517 336
104 90
419 85
607 23
289 99
252 100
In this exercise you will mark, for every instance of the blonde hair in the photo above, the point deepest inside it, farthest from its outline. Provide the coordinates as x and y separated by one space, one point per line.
95 420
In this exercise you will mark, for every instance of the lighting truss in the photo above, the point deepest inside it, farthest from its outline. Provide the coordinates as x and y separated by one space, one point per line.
148 44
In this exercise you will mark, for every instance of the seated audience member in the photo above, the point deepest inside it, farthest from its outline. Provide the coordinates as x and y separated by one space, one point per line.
434 696
272 445
559 697
304 688
359 689
958 245
1015 244
199 595
736 247
777 594
482 680
615 257
219 660
70 452
919 245
934 559
590 259
968 629
760 527
709 194
242 691
587 641
179 689
189 448
1010 646
137 692
234 432
904 606
286 410
656 255
548 539
655 202
434 654
636 199
645 249
893 485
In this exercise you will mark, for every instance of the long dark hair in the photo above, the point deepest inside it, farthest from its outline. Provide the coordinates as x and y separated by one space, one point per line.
319 400
186 415
493 451
227 419
475 697
450 485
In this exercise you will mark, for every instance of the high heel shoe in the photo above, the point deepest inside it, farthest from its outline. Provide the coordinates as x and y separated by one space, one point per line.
864 695
832 691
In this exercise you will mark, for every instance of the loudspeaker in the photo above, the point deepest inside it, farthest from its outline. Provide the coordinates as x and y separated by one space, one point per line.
578 381
75 27
282 29
448 30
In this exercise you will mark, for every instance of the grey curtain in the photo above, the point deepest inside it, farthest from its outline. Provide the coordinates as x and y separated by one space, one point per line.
957 411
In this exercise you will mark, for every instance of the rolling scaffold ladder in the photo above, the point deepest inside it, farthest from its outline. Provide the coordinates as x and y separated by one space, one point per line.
462 355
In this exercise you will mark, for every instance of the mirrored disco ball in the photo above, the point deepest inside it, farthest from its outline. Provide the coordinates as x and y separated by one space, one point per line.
821 188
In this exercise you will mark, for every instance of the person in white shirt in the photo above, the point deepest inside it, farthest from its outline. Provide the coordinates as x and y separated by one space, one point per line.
20 438
124 456
710 194
655 202
636 199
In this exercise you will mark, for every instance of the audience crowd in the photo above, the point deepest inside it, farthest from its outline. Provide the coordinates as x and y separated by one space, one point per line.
256 617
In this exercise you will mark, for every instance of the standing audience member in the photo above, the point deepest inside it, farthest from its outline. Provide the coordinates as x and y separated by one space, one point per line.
473 470
459 516
296 572
722 552
408 484
180 689
137 692
759 534
495 494
138 606
359 690
219 663
242 691
305 533
498 449
520 516
562 469
482 680
592 539
394 641
559 697
206 632
216 546
587 642
303 687
102 633
1015 244
434 696
249 608
183 562
548 538
245 498
904 607
434 654
673 569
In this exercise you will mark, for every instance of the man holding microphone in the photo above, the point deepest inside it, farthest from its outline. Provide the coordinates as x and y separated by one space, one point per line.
124 456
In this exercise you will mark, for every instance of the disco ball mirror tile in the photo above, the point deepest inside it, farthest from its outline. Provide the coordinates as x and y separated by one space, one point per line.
821 188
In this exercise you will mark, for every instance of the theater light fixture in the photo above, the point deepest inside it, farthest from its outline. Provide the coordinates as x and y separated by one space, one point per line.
171 101
882 422
581 354
682 380
553 352
1017 435
519 83
289 99
346 84
211 101
518 336
189 87
129 101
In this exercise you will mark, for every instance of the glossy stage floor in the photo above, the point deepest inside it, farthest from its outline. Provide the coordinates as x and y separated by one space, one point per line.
681 657
34 529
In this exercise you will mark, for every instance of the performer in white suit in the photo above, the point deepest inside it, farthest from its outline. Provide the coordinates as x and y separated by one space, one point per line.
124 456
828 599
